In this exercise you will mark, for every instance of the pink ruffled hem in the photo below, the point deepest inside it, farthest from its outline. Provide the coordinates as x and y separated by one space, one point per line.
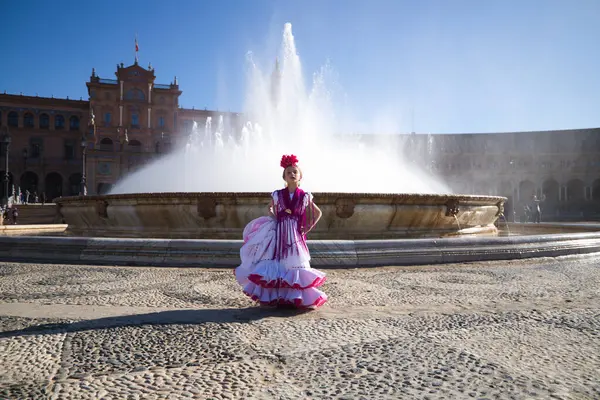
273 274
283 283
299 298
297 302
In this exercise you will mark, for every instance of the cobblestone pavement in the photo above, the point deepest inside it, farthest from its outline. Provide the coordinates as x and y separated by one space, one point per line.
510 330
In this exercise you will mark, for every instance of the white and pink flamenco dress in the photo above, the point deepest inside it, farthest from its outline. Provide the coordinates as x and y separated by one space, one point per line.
275 268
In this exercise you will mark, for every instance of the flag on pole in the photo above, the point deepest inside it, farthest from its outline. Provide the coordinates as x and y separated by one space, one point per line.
137 48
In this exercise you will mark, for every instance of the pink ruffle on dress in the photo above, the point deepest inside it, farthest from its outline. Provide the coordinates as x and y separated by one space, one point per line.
275 266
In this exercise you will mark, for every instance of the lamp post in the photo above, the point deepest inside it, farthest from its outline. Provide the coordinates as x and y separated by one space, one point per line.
6 143
83 164
92 128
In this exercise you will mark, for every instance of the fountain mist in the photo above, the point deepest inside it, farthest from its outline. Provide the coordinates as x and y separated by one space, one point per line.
284 117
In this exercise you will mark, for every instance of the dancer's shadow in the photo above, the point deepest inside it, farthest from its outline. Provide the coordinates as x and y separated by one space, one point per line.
191 317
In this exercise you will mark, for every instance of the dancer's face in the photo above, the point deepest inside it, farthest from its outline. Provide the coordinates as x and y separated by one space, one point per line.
292 175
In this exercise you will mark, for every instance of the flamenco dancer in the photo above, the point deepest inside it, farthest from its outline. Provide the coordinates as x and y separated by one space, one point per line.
275 268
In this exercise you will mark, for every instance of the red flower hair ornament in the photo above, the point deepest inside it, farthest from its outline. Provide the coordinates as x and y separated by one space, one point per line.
288 161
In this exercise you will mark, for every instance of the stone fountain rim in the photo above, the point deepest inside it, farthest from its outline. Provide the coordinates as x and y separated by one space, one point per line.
441 198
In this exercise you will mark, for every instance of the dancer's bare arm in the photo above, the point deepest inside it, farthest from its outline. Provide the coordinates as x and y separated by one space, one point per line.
272 208
317 213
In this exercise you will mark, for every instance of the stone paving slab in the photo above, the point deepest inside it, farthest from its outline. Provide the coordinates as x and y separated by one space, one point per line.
514 329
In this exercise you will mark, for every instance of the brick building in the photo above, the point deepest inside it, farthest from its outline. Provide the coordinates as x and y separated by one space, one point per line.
44 153
135 120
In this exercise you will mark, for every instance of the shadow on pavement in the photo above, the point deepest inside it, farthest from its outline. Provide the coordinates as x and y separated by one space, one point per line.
191 317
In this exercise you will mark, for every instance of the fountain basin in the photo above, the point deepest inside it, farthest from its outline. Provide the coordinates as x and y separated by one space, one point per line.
346 216
202 253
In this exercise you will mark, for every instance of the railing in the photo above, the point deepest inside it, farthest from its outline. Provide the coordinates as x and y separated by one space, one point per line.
109 81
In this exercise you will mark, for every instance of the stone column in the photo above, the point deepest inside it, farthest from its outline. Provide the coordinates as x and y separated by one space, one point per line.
587 193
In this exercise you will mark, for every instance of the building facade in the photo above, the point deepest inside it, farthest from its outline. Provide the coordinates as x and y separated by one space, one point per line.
125 123
561 168
44 153
131 120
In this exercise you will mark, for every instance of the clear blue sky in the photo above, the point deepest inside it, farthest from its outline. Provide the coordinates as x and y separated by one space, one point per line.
456 65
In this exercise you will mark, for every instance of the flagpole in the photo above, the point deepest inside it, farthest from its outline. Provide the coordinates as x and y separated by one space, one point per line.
136 49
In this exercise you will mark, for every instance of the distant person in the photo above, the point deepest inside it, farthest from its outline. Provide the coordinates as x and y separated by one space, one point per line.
43 198
27 196
537 211
15 214
36 198
526 213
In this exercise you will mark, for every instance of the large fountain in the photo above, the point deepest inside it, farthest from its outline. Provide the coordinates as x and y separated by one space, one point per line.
222 177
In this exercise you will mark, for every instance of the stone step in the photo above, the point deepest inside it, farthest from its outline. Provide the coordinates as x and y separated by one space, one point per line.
324 253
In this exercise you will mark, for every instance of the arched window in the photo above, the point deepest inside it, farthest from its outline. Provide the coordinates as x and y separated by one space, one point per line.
59 122
550 190
28 120
135 94
44 121
575 190
13 119
135 145
526 190
106 144
74 123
